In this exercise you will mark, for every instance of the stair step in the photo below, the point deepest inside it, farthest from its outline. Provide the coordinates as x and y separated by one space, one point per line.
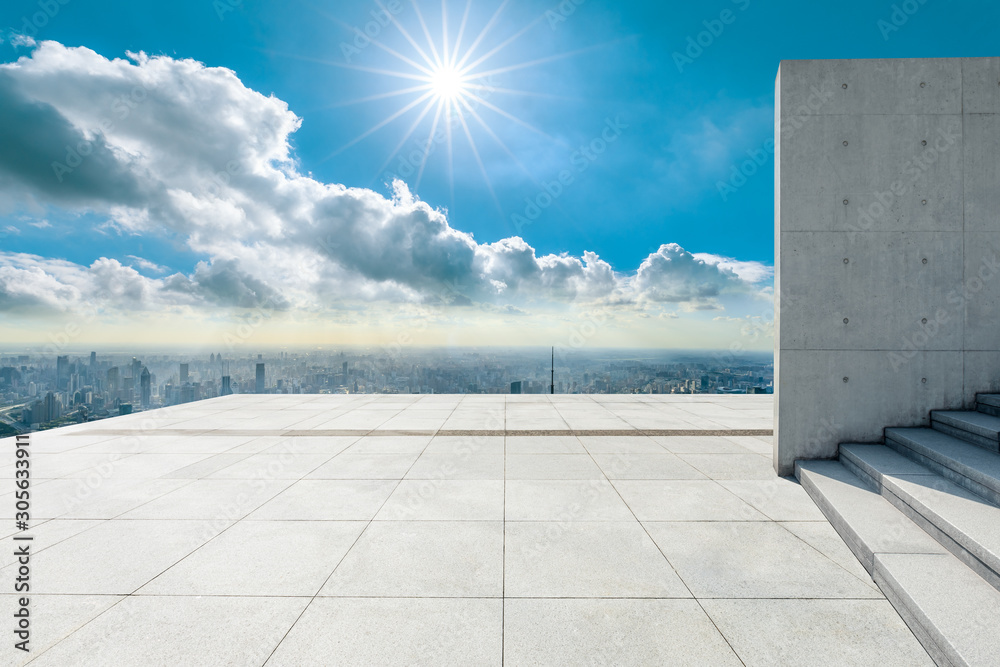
947 606
975 427
968 465
860 515
964 523
988 404
950 610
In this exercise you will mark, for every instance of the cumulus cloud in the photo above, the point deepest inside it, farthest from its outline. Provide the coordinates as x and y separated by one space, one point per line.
170 146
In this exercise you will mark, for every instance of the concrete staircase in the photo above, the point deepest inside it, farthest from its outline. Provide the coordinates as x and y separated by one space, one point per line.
922 514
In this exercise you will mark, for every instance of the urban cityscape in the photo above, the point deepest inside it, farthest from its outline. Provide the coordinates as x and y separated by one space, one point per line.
43 391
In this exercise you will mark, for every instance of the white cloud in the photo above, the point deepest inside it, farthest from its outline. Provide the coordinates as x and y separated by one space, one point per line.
159 145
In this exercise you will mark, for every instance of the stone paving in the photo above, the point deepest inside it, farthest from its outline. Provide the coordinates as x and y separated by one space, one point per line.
438 530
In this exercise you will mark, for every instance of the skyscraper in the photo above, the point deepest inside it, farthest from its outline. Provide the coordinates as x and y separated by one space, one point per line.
260 378
93 358
146 388
227 388
62 372
114 381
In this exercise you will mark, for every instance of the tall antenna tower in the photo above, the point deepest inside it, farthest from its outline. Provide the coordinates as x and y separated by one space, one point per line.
552 385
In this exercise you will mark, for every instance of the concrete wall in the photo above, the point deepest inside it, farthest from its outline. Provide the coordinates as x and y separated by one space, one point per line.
887 239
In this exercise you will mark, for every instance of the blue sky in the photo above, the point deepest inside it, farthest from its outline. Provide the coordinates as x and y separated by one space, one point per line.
674 130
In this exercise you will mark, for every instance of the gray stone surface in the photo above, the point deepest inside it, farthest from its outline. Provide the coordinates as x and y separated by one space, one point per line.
886 207
624 632
394 564
951 605
782 632
868 522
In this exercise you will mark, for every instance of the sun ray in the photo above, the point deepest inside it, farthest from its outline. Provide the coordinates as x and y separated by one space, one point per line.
514 118
359 68
525 93
427 34
461 31
405 34
444 32
499 141
540 61
380 125
451 153
507 42
380 96
479 161
482 34
427 148
406 137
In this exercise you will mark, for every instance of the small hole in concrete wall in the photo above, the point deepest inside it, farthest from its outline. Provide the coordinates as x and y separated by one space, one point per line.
925 260
847 261
847 380
923 85
924 202
923 321
923 143
846 202
845 143
847 321
844 86
924 380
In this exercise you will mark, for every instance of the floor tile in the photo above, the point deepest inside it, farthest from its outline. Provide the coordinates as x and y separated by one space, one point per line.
394 631
327 500
780 498
261 558
784 632
552 466
646 466
179 631
564 500
684 500
583 559
612 632
364 466
751 560
423 559
445 500
457 466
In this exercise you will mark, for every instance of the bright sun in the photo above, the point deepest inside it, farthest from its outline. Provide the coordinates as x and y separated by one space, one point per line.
447 83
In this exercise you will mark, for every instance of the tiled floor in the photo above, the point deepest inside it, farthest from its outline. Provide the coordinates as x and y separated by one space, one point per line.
439 530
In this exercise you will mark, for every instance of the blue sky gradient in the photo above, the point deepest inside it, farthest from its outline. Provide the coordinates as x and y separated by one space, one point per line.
683 117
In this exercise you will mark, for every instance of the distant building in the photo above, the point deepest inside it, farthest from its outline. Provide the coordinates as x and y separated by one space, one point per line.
515 387
62 372
114 381
227 388
146 388
93 359
184 373
125 409
260 378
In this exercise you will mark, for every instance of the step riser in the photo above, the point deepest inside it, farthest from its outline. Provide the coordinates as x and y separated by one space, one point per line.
959 476
917 625
956 543
853 542
991 410
973 438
